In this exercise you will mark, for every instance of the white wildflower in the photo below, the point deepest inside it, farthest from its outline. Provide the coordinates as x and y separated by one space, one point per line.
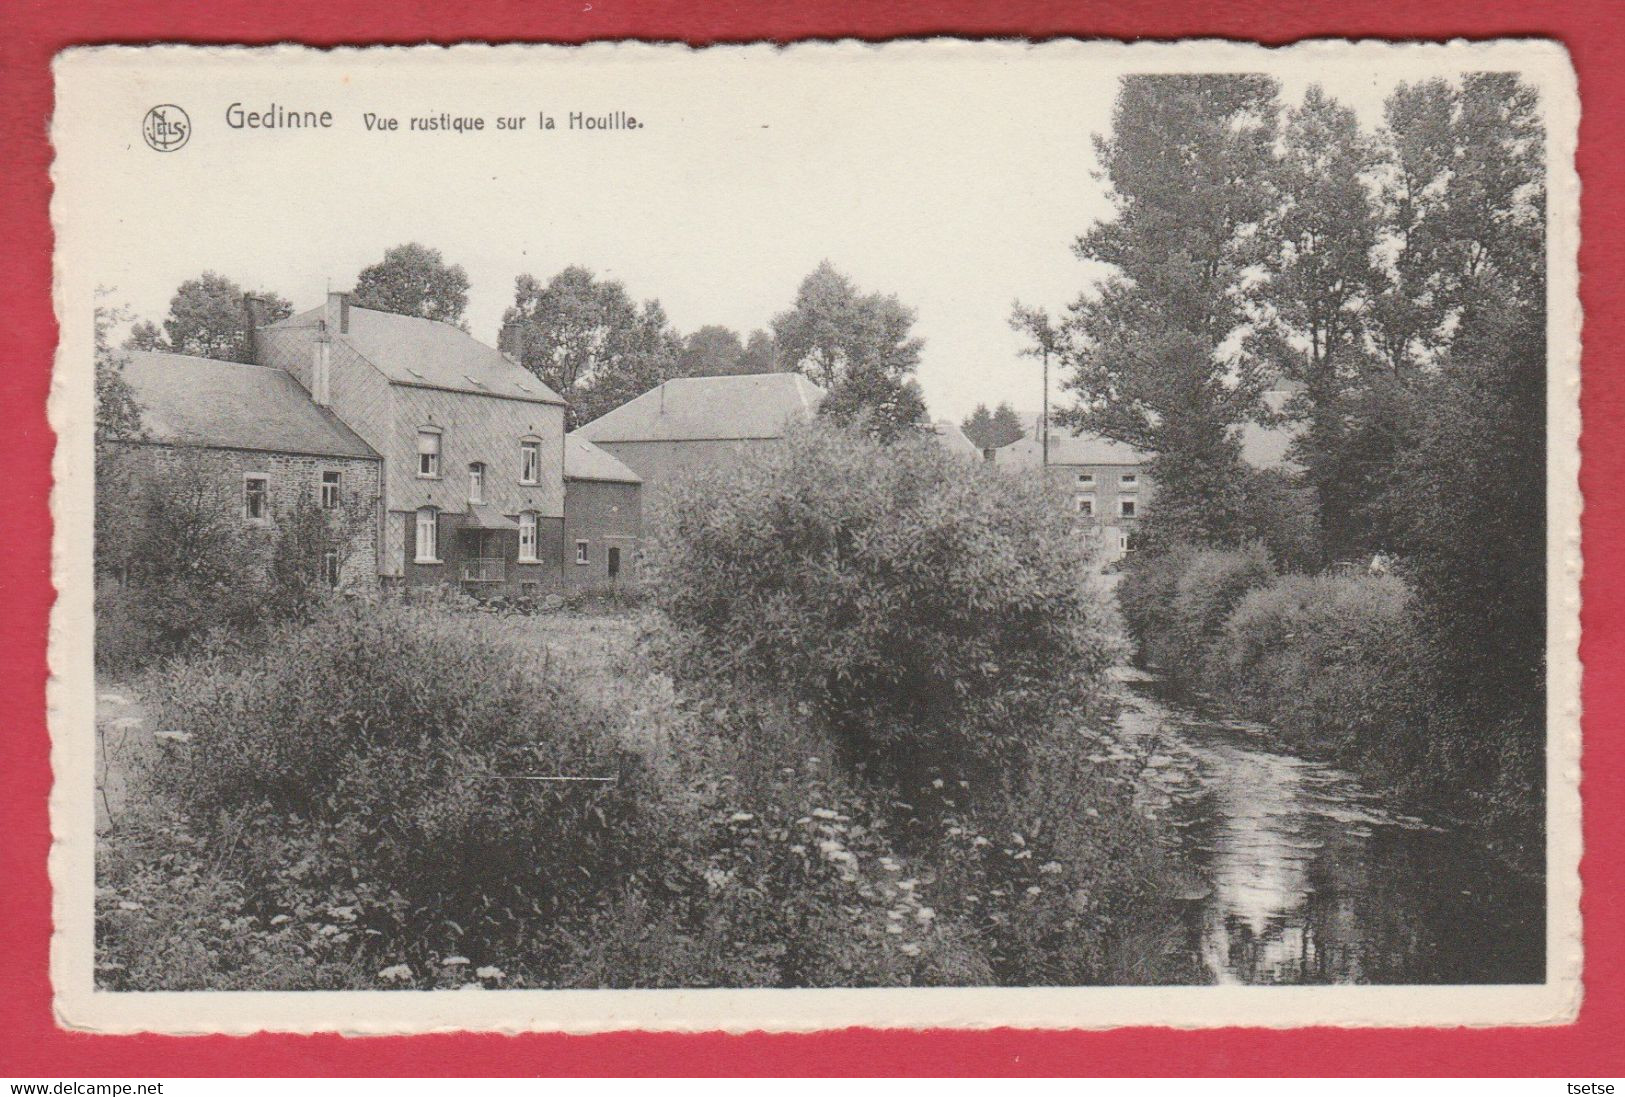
741 817
454 961
398 973
1050 868
909 949
1034 890
489 972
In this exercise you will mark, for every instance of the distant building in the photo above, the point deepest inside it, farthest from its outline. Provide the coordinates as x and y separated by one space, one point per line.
693 425
249 440
472 445
1103 482
953 439
603 517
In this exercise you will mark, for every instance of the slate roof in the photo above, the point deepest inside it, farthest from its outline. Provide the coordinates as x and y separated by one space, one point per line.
1067 448
204 402
953 439
686 409
410 350
585 461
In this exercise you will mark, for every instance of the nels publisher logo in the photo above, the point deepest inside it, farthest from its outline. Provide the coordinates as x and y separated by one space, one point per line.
166 127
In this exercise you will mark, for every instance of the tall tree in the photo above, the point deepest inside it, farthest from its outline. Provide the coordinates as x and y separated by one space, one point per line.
1463 202
588 340
1320 239
710 352
1159 355
761 355
858 346
206 319
414 280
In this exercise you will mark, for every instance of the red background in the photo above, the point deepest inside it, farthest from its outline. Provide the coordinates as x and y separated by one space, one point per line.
31 1044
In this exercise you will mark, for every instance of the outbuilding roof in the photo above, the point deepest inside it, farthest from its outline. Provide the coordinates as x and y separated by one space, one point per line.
754 405
585 461
234 405
1068 448
409 350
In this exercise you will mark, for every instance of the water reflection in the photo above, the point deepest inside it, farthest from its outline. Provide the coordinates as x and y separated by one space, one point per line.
1313 880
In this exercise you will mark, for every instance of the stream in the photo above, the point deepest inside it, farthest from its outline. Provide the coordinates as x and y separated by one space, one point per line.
1312 878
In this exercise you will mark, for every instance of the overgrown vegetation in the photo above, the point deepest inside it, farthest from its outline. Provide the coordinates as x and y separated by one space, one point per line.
373 797
1345 666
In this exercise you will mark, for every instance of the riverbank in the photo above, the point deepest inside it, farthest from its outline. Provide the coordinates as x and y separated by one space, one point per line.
1343 668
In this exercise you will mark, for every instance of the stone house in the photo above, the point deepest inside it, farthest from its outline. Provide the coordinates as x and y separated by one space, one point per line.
471 446
692 425
249 439
603 517
1103 482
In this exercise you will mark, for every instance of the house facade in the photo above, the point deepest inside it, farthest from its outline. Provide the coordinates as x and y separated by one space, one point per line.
690 426
1102 482
603 518
246 441
470 445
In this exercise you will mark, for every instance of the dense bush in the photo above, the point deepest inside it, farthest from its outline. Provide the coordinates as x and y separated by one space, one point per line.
934 613
401 750
1332 662
1176 602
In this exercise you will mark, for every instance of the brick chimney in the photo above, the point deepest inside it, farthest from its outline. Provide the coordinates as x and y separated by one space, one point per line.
253 320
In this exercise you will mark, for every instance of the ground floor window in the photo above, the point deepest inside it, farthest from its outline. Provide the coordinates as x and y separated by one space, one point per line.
255 492
330 567
581 552
527 538
428 546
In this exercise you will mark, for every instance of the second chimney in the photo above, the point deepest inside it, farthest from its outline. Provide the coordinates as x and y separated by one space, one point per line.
253 320
338 310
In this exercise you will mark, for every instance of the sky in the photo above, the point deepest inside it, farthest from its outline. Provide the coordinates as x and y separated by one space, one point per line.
955 175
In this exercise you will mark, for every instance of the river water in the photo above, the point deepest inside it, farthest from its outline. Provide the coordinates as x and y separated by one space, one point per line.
1311 878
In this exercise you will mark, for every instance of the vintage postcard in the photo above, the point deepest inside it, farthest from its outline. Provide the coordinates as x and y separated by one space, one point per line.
936 533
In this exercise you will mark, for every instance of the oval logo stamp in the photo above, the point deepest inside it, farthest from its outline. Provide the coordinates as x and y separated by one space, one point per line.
166 127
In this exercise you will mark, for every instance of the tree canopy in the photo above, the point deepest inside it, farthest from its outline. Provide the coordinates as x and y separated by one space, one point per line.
587 339
858 346
992 429
414 280
206 319
1153 353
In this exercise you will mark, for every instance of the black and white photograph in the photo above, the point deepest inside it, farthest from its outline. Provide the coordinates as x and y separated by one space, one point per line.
943 532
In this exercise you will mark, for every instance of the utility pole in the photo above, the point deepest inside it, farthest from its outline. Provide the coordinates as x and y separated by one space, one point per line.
1045 431
1036 325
